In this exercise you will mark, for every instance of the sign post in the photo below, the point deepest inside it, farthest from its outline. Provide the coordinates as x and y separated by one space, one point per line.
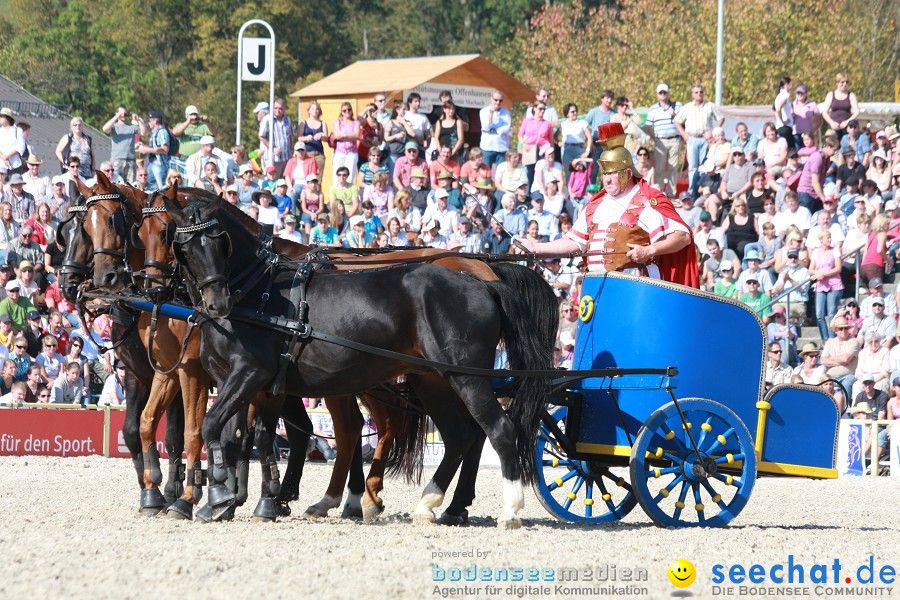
256 62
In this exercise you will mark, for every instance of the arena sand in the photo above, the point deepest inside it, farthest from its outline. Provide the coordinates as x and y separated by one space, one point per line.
69 529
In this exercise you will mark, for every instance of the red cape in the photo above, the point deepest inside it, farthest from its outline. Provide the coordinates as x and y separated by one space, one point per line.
678 267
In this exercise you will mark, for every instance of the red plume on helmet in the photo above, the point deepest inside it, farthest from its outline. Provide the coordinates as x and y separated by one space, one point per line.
609 130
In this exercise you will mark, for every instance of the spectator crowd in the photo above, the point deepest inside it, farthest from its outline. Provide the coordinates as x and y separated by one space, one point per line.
788 219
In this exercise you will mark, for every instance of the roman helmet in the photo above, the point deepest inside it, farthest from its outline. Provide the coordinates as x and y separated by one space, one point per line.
615 158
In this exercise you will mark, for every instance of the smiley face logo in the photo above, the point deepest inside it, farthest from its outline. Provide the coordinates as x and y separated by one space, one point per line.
682 573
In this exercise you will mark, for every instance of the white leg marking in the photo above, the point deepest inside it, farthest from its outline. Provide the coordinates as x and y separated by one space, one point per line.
431 499
513 502
321 508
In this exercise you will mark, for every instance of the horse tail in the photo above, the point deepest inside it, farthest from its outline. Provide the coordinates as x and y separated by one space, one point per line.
409 426
407 455
529 319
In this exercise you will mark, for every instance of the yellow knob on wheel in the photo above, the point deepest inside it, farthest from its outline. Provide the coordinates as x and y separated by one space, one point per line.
571 496
699 507
716 498
588 501
558 481
607 497
555 462
679 505
664 493
706 427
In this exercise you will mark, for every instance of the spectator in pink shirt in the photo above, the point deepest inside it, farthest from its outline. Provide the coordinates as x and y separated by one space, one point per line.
534 132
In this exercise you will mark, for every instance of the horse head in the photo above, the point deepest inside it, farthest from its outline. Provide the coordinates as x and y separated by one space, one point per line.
106 222
202 247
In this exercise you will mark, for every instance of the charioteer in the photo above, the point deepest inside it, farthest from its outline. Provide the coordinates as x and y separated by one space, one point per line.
628 226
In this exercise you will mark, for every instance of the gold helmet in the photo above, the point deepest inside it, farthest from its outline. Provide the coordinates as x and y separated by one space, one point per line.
615 158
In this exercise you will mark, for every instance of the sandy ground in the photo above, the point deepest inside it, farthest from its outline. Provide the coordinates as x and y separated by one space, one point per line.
69 529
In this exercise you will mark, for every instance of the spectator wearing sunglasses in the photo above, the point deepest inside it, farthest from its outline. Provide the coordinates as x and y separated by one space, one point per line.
110 171
776 372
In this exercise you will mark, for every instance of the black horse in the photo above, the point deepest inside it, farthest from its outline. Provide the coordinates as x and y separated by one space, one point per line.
413 313
76 268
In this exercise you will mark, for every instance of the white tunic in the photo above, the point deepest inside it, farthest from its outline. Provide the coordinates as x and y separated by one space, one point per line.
593 237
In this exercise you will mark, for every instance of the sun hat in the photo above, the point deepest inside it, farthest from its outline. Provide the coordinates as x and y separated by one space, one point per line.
207 139
417 172
312 177
289 219
256 195
25 264
809 348
484 183
6 112
445 174
246 168
34 160
752 255
862 407
357 220
16 179
839 323
191 110
300 146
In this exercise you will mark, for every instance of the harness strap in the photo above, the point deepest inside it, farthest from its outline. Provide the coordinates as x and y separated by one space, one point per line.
298 310
198 318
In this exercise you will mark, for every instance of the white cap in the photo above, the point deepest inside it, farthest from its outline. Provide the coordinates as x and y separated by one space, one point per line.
662 88
232 188
12 284
191 110
207 139
58 179
551 178
260 107
890 205
432 224
357 220
441 193
312 177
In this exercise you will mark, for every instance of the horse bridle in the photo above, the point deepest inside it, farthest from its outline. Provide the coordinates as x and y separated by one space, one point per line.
192 231
71 267
167 277
119 220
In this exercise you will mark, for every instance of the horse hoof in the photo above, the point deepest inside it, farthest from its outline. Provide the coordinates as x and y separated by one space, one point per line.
454 520
372 511
152 502
204 514
513 523
424 518
315 513
282 509
265 511
180 509
352 512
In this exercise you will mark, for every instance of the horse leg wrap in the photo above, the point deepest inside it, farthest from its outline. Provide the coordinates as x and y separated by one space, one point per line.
138 463
218 471
175 482
151 462
197 481
238 478
271 480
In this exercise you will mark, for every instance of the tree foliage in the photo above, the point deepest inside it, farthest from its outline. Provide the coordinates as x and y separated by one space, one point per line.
633 45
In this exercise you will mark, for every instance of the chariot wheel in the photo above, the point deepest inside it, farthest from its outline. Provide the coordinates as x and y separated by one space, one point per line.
678 488
576 490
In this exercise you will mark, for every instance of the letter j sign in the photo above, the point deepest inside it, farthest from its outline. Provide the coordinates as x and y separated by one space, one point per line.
256 59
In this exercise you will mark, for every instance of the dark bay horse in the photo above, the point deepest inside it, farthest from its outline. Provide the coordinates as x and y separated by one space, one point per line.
75 272
419 311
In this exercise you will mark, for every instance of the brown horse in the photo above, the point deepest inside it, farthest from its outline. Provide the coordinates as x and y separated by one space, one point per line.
105 223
